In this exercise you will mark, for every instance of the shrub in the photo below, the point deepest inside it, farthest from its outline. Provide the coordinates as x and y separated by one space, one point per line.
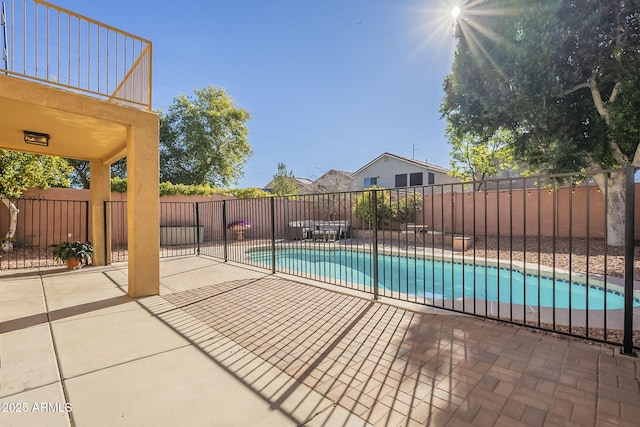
363 208
119 185
407 208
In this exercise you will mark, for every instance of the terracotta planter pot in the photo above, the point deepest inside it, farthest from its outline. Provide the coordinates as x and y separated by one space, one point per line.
73 263
240 229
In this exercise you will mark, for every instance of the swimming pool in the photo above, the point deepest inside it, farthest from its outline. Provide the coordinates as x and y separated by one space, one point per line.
426 278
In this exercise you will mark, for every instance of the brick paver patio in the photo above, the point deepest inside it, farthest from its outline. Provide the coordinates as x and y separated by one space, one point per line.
395 366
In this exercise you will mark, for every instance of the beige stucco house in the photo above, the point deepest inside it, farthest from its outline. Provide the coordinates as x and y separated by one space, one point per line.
393 171
86 94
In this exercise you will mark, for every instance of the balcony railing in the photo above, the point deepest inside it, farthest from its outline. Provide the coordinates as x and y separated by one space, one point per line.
54 46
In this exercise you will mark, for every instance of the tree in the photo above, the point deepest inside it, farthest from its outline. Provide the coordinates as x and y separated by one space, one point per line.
284 182
407 207
363 208
474 158
21 171
81 177
203 139
562 76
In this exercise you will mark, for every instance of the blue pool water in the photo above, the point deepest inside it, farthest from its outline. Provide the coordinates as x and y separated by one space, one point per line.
442 280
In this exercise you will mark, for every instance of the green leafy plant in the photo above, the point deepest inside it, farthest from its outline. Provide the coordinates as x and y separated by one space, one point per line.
363 208
407 208
82 251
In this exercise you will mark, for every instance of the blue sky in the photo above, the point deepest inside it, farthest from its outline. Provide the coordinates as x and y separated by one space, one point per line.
329 84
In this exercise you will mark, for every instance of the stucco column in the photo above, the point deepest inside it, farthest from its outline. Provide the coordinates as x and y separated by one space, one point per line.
100 185
143 207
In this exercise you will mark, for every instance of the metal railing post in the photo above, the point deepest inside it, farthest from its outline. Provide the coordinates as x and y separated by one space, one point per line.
224 230
627 341
374 253
86 221
197 229
106 231
273 236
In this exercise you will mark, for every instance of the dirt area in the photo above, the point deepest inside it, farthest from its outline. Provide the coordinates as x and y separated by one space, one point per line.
579 255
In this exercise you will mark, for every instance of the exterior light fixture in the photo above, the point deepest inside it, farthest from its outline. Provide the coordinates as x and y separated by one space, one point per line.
36 138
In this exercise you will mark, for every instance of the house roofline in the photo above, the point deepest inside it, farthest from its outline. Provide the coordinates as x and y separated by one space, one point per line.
405 159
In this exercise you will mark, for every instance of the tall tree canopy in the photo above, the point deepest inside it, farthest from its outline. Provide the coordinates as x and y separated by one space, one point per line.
562 75
475 159
203 139
81 177
20 171
284 182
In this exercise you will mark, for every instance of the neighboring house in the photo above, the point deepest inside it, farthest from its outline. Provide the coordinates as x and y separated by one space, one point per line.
301 183
393 171
333 181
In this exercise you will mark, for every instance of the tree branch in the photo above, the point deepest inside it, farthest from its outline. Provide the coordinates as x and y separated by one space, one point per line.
597 100
604 113
576 87
614 92
617 154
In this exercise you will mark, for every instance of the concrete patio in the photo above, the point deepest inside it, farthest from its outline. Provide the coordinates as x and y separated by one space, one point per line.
226 345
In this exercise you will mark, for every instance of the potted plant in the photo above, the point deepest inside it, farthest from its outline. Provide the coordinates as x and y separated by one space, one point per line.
239 227
74 253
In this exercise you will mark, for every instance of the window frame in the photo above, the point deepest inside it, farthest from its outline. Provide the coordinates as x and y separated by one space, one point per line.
431 178
372 181
413 182
401 176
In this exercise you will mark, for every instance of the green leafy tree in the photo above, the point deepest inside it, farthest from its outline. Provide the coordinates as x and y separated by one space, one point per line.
562 76
284 182
203 139
363 208
477 159
21 171
81 176
407 208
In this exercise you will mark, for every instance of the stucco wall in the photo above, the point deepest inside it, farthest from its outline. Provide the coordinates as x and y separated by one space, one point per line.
579 212
386 169
517 212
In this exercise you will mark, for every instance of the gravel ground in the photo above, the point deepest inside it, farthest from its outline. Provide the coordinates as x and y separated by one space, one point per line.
585 255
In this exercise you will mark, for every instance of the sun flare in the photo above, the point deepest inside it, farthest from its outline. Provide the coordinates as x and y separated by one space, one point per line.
455 12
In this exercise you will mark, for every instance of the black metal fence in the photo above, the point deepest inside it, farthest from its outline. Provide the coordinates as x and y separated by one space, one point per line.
180 231
528 251
41 224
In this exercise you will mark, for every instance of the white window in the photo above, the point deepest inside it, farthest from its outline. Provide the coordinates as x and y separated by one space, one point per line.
368 182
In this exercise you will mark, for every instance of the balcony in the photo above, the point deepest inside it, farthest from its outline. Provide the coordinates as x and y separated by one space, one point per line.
73 87
45 43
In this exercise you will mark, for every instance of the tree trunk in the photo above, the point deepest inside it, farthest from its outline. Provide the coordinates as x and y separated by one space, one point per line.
7 242
614 187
